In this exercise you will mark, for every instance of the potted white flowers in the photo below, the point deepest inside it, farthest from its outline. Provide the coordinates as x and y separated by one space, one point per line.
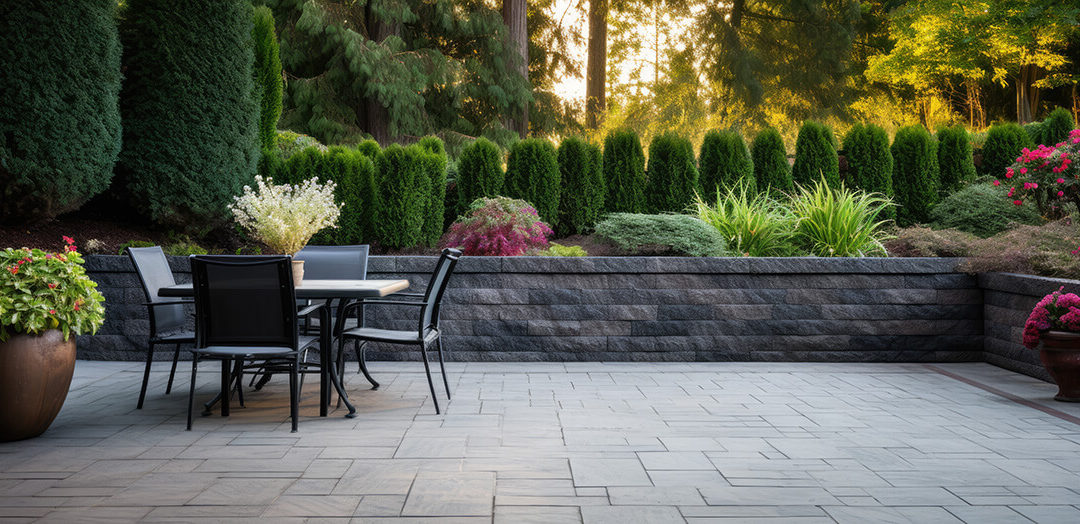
285 217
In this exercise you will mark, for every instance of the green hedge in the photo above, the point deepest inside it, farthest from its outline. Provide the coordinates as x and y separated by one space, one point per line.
581 168
771 169
662 235
268 80
433 157
870 163
673 179
724 163
480 172
59 120
369 148
354 175
815 156
403 189
1056 127
915 175
624 173
1002 147
954 158
532 174
189 109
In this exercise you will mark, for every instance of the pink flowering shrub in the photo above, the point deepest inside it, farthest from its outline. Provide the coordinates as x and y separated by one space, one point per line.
1047 175
1058 311
498 226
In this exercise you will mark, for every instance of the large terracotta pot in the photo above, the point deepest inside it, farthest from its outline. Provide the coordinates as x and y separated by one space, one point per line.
1061 355
35 373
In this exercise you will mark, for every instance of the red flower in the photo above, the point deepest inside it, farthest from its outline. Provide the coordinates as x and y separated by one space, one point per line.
997 182
69 240
52 285
1018 202
1061 193
1061 180
76 307
14 270
52 311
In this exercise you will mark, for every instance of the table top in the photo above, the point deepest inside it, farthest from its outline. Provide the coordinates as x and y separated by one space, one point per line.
318 289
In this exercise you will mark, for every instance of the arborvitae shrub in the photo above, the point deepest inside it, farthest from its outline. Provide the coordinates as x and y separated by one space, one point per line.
59 120
433 157
1002 147
915 175
288 143
268 81
771 169
369 148
673 179
403 196
532 175
624 173
189 109
870 163
983 210
815 156
724 163
270 164
954 158
309 163
1056 127
582 173
1034 132
354 175
480 172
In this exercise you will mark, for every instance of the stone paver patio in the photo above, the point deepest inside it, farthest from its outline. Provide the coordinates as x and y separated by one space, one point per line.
549 443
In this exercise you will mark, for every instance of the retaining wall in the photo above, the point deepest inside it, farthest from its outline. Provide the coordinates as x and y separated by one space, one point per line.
650 309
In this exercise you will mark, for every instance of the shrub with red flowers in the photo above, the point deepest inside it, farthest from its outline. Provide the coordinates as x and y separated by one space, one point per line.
1046 174
41 290
498 226
1057 311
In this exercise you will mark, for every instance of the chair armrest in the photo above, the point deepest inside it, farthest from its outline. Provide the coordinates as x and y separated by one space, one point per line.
406 294
169 303
309 310
394 302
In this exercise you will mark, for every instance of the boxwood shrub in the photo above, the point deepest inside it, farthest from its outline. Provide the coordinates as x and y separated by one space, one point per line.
771 170
1056 127
532 174
582 172
815 155
724 163
673 178
624 173
915 176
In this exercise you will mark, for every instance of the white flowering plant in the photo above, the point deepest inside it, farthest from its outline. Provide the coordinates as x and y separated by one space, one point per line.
285 217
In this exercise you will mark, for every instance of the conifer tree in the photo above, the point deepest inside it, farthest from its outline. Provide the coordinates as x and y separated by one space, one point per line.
624 173
954 158
532 174
915 175
724 163
268 79
673 178
815 156
479 173
582 172
771 169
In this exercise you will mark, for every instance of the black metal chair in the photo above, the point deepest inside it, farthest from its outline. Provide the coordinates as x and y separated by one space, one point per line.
427 333
168 321
245 310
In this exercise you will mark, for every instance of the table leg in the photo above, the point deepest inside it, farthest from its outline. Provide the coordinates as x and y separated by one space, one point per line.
324 361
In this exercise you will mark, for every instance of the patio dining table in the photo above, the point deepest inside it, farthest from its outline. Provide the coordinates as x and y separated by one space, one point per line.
323 289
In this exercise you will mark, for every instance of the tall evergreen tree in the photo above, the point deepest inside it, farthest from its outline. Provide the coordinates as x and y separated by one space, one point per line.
624 173
59 121
532 174
582 172
479 173
673 178
771 169
815 156
394 68
915 176
954 158
724 163
189 109
268 79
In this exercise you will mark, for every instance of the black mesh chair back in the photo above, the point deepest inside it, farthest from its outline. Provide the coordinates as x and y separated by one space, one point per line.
334 262
429 314
154 273
244 301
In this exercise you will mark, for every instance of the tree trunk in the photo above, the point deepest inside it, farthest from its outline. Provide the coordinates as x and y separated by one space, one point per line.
513 12
1027 95
1075 103
976 113
596 69
377 121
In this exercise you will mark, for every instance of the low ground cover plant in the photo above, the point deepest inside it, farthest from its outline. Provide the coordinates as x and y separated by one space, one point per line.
498 226
662 234
559 250
981 210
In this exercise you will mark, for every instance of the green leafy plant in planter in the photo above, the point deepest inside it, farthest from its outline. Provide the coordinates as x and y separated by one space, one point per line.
45 298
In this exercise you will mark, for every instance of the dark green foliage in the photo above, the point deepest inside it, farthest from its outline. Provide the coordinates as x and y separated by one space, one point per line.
59 120
403 189
369 148
433 158
480 172
582 170
915 175
532 174
268 80
289 143
771 169
662 235
815 156
1034 132
1056 127
870 163
724 163
270 164
309 163
673 179
983 210
624 172
1002 147
189 110
354 174
954 158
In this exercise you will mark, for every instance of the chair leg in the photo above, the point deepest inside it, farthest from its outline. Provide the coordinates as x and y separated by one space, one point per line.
226 386
361 350
427 370
191 393
442 366
238 377
294 394
172 372
146 373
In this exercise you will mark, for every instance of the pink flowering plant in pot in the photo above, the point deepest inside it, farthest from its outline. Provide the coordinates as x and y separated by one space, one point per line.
1055 324
1057 311
498 226
1048 175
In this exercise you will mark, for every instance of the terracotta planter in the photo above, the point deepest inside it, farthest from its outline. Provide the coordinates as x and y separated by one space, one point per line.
297 272
1060 354
35 373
